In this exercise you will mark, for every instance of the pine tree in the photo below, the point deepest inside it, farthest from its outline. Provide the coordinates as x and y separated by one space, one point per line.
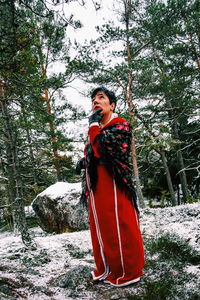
27 160
172 74
155 62
118 76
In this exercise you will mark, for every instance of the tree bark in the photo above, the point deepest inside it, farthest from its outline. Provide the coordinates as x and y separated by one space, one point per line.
168 176
128 91
16 201
161 152
29 140
182 174
136 174
56 158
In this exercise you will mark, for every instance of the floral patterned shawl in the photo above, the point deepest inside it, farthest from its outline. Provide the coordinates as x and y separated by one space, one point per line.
114 142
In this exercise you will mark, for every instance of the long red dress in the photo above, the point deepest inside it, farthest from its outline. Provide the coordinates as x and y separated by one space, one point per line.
114 226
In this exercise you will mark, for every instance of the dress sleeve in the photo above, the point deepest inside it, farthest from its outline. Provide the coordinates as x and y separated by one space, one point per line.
94 132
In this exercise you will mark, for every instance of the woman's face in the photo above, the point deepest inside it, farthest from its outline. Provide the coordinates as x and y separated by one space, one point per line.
101 101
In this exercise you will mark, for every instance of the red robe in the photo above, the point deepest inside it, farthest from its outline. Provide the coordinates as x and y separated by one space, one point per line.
114 226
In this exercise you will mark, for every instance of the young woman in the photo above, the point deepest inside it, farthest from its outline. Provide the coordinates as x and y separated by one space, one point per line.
113 213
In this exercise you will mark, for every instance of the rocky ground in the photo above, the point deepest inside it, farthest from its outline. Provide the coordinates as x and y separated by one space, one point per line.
60 266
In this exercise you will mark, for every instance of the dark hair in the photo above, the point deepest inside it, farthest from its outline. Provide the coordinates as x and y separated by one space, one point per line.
108 93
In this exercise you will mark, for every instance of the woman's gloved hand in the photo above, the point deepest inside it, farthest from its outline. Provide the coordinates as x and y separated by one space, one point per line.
96 117
81 164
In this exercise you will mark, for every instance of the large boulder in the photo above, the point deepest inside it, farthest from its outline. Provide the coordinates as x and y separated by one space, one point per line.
58 208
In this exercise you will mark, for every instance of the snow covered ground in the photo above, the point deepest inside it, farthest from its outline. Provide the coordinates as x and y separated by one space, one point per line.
38 274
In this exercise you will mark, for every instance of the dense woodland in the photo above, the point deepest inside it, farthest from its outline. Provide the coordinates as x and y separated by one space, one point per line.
150 57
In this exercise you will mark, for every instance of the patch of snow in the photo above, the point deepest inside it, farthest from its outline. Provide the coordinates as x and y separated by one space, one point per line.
59 189
52 259
193 269
29 211
183 220
59 261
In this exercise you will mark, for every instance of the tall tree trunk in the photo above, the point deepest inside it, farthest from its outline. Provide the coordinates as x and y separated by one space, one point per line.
128 99
183 177
56 158
128 92
16 201
182 174
136 174
178 194
168 176
30 148
134 154
161 152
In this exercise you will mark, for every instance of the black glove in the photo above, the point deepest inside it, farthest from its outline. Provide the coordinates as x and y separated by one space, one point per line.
81 164
96 116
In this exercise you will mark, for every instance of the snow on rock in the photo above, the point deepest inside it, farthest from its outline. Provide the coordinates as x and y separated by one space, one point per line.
60 189
58 208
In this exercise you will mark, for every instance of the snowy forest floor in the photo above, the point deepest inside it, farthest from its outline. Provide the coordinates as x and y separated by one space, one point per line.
60 267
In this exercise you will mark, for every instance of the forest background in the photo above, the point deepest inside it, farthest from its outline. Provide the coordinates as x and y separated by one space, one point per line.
147 53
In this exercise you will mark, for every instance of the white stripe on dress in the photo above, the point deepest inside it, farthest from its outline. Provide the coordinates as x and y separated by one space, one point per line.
136 216
118 231
97 230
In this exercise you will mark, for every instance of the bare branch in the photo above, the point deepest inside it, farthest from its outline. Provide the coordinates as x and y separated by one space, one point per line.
189 145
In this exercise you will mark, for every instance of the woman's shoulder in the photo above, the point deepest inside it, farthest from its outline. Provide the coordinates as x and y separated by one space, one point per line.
117 120
121 120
